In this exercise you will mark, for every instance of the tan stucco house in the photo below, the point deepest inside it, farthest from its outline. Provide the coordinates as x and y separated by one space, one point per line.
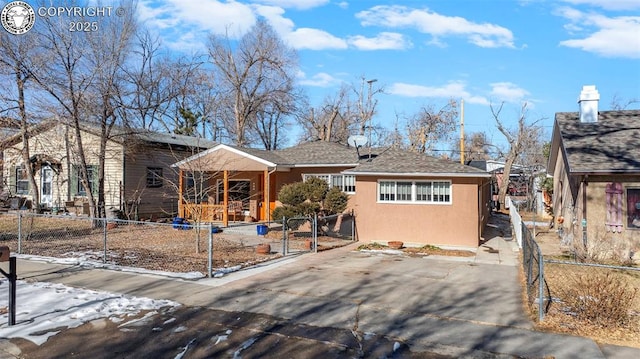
595 163
395 194
139 179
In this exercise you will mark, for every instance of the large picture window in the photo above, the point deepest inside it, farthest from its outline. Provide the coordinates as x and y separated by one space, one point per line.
414 191
346 183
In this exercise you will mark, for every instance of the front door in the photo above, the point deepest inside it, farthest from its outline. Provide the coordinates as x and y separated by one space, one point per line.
46 179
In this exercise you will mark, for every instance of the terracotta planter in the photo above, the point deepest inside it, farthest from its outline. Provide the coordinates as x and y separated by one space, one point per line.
395 244
263 249
308 244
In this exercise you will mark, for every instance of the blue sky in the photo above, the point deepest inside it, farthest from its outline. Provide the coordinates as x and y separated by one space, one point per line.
425 52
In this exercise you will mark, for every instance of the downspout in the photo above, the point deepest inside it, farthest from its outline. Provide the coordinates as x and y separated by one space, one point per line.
268 189
584 211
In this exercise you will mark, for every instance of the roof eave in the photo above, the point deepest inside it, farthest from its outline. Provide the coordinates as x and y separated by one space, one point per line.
418 174
310 165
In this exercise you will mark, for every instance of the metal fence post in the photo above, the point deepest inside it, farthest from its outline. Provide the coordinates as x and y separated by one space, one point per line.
19 233
104 232
315 232
353 226
284 235
540 286
210 251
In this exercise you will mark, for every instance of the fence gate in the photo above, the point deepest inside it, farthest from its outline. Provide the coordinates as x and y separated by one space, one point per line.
299 235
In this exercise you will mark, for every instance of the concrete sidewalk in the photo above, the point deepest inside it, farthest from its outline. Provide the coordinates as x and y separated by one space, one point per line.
451 306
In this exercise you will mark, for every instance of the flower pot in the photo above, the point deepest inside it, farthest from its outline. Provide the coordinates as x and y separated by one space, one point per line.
395 244
263 249
308 244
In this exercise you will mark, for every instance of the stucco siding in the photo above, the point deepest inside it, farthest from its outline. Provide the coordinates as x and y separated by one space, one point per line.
455 224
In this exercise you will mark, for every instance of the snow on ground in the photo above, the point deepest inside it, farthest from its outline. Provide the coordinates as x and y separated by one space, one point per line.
43 308
93 260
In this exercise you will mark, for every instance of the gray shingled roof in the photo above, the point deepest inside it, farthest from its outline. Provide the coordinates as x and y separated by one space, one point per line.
611 145
395 161
318 153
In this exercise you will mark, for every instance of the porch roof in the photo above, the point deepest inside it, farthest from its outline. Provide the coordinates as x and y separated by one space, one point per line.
310 154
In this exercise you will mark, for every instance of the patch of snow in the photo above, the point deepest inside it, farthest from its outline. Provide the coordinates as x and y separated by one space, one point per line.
87 260
43 308
396 346
220 272
183 352
244 346
180 329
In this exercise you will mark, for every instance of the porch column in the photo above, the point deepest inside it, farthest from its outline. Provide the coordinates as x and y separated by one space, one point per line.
180 189
265 195
225 199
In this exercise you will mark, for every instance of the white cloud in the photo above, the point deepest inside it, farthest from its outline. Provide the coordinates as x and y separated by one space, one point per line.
343 5
190 21
508 92
321 79
605 36
436 25
275 17
608 4
455 89
384 41
314 39
297 4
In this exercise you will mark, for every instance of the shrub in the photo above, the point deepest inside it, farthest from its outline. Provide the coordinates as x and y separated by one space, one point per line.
284 211
600 298
315 189
292 194
335 201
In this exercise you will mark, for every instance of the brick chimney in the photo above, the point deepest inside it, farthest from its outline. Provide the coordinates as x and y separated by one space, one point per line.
588 101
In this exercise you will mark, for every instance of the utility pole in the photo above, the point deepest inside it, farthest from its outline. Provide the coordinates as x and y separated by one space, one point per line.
370 110
461 131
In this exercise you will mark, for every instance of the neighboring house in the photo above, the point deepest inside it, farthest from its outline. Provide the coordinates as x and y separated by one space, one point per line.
595 163
396 195
524 182
138 178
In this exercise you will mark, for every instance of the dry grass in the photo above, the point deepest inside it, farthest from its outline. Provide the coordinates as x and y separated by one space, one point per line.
599 303
425 250
151 246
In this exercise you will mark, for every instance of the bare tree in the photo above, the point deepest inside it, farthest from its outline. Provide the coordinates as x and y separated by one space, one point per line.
257 72
19 58
429 126
476 147
331 120
108 52
519 140
366 103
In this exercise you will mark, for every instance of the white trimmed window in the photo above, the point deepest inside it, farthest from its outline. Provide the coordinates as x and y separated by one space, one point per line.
414 191
346 183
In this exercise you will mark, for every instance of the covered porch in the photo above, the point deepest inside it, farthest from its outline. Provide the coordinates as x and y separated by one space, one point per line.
226 184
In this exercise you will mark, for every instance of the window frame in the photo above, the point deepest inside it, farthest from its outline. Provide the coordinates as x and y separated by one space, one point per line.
394 196
92 174
22 183
330 179
154 177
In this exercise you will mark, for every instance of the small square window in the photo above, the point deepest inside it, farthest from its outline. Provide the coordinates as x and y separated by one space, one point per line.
154 177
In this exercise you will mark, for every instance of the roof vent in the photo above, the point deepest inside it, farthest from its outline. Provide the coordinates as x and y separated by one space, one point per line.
588 102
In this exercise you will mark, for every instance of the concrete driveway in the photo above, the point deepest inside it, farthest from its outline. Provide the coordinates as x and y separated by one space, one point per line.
369 304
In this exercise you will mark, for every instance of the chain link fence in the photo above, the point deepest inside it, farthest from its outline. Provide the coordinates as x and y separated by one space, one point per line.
176 246
568 289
